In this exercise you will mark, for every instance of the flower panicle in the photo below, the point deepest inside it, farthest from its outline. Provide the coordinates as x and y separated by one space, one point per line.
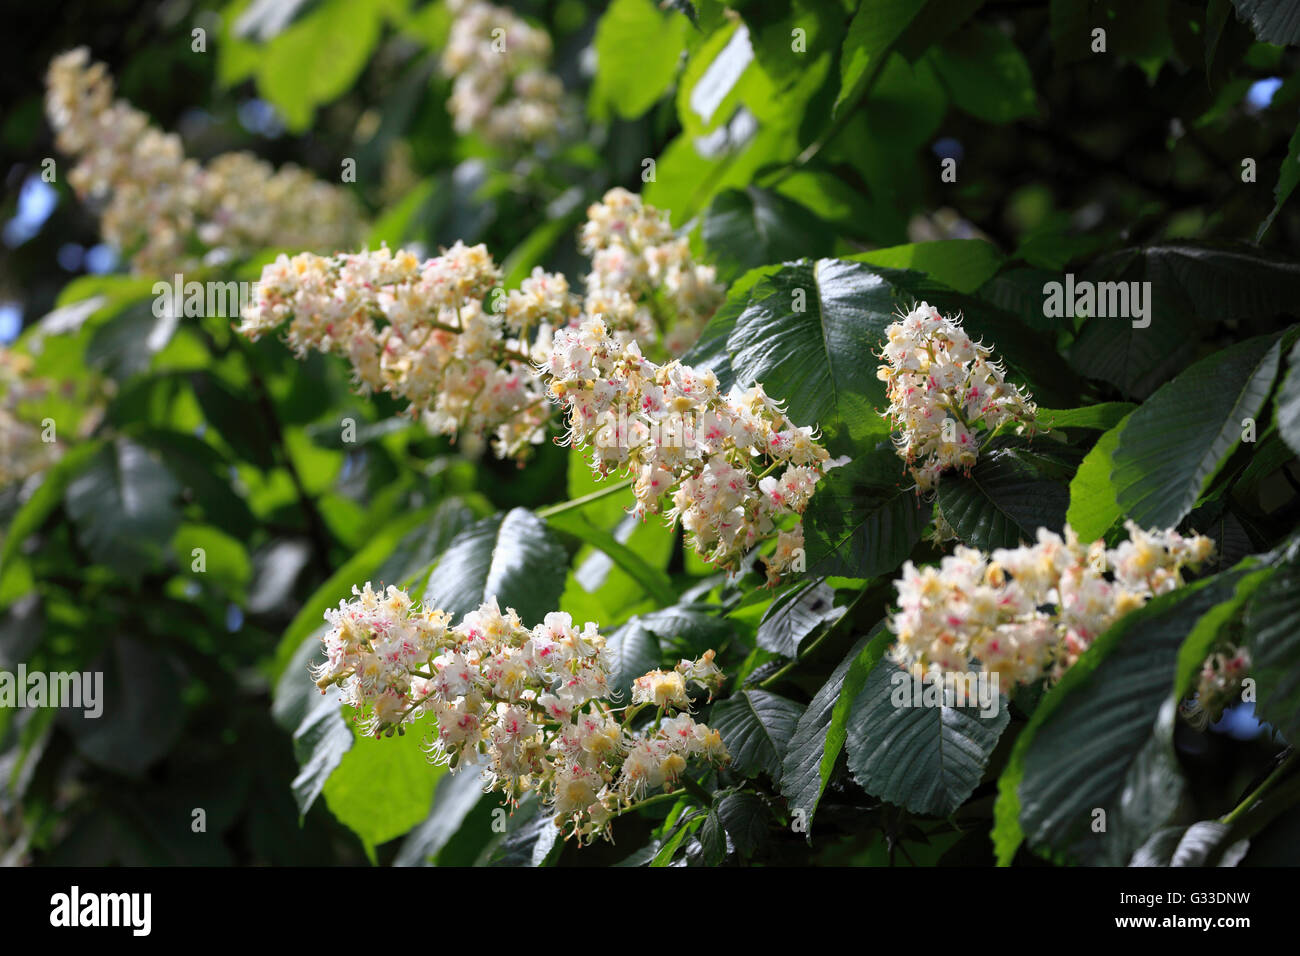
529 708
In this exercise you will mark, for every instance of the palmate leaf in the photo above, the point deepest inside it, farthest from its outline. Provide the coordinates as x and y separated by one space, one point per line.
629 85
961 264
822 729
382 787
748 228
756 726
1287 403
1175 442
1273 639
790 619
872 33
458 793
926 759
1001 503
1084 738
631 651
124 504
1272 22
808 334
865 518
1094 504
513 557
1192 287
1201 844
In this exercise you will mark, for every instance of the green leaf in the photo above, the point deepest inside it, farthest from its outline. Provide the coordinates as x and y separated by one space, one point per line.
744 229
1287 178
960 264
383 787
1273 638
1194 286
807 333
782 53
458 793
872 33
713 840
638 48
986 74
236 418
721 70
224 558
318 58
530 840
1286 404
734 123
44 501
864 519
710 349
1205 843
512 557
745 817
756 726
926 759
1103 417
1086 733
203 472
1272 22
631 651
655 582
1094 506
822 729
124 506
320 742
1176 441
398 223
141 712
688 630
794 616
1002 503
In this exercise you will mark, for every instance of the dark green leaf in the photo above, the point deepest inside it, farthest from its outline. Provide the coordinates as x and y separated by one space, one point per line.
124 506
864 519
927 759
744 229
1176 441
756 726
512 557
1002 503
820 734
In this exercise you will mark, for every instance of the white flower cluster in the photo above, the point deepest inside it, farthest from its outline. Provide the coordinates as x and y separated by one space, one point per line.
420 331
733 465
643 277
1028 611
501 87
944 389
167 213
1219 685
22 450
530 707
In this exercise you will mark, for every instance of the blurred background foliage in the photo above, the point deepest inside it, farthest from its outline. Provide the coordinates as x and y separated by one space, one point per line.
200 439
